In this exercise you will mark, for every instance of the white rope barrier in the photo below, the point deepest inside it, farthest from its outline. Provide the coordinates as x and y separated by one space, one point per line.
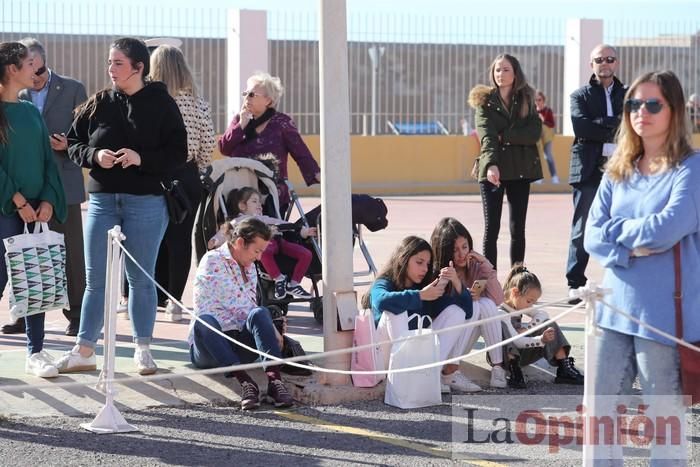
652 328
469 324
292 360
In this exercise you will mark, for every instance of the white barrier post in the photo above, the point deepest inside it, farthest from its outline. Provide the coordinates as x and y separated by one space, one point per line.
109 420
589 350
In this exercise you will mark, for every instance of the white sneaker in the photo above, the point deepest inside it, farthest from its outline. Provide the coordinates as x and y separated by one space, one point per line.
459 382
173 312
123 308
72 361
498 377
555 179
41 364
145 365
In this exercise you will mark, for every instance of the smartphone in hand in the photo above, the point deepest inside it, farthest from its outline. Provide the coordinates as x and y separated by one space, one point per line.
478 286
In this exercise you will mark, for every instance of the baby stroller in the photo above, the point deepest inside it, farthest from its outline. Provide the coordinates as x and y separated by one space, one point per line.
367 212
228 174
232 173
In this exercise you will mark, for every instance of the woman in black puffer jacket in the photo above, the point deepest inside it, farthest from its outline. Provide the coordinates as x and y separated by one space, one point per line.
509 128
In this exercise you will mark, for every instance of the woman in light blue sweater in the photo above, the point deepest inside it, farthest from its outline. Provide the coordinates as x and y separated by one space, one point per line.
647 202
406 286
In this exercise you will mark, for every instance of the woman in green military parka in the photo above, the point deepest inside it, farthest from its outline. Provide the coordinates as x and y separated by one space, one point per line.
509 128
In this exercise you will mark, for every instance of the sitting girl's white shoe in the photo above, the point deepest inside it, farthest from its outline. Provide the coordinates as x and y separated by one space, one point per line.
459 382
498 377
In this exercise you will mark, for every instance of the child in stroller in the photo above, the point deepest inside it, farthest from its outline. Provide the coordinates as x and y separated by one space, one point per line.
246 202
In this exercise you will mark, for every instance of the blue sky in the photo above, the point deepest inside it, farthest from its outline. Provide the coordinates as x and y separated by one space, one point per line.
445 21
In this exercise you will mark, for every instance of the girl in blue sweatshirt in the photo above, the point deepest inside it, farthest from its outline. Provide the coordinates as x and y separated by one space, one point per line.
406 286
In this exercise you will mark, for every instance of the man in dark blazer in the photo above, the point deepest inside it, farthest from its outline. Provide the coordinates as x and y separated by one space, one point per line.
596 109
56 97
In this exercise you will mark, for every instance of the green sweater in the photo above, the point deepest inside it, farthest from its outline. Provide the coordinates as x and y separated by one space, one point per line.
27 163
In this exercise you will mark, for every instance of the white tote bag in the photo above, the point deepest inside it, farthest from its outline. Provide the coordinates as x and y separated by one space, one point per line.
419 388
36 271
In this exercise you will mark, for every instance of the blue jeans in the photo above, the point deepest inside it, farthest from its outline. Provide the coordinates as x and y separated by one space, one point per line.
210 350
549 157
619 359
584 194
143 220
11 226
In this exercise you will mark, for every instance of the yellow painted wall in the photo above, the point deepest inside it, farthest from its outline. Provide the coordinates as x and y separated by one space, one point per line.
383 165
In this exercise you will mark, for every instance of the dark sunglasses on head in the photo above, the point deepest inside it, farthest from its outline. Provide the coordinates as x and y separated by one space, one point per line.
607 59
250 94
653 106
40 71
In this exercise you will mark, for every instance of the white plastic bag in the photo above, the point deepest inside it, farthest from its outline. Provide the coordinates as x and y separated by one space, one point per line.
419 388
36 271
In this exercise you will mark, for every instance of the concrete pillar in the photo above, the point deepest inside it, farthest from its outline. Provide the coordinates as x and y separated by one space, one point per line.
581 36
338 295
246 53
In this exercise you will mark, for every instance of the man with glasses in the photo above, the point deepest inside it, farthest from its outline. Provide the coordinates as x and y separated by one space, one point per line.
56 96
596 109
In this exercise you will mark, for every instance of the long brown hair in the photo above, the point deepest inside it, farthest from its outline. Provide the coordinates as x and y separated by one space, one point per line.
396 270
11 53
522 92
443 239
629 144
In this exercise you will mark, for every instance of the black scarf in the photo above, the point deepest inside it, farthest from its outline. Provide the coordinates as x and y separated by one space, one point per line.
254 123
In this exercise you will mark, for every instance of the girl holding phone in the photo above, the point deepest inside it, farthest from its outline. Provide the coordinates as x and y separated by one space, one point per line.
453 251
407 285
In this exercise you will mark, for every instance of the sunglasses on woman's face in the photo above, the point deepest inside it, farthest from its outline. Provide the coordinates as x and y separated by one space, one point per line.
608 59
653 106
250 94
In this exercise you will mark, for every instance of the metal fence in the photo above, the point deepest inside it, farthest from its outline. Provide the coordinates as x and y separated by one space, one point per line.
424 74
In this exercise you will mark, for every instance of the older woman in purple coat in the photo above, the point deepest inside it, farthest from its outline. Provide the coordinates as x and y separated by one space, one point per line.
260 129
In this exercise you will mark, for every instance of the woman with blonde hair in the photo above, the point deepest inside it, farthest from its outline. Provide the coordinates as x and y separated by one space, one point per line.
174 257
647 206
260 129
509 128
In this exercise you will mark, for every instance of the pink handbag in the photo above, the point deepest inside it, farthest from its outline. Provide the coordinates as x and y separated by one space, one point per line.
365 359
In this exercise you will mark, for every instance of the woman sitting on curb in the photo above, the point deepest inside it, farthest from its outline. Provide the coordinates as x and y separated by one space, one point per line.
225 297
406 286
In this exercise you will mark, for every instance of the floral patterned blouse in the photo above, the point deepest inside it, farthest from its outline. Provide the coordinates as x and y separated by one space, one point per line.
279 137
220 290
